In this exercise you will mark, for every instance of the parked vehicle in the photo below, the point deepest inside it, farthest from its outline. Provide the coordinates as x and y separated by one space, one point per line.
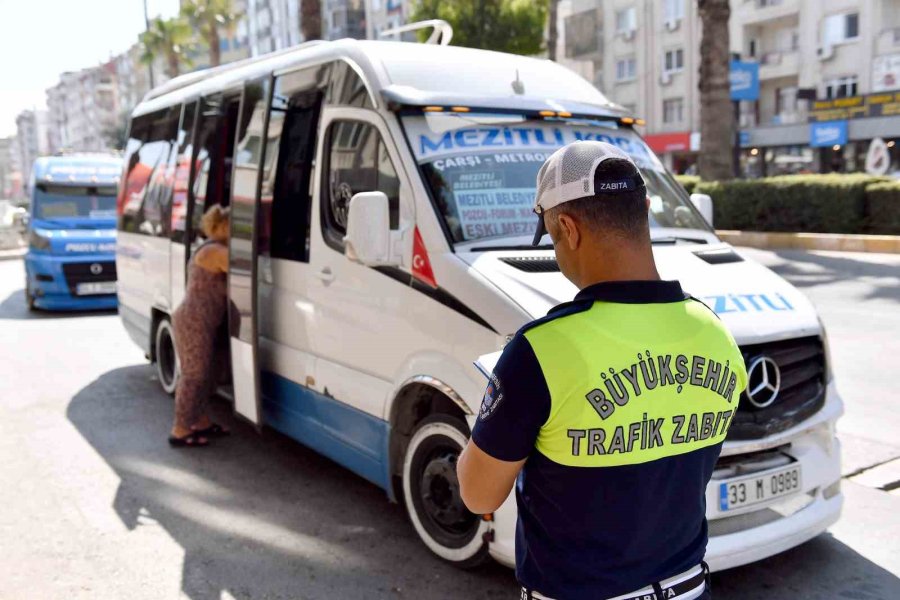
70 263
381 199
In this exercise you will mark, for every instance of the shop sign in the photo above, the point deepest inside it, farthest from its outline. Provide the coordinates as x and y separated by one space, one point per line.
886 73
829 133
884 104
662 143
744 78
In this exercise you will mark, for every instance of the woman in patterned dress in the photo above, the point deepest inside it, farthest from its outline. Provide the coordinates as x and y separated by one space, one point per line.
196 323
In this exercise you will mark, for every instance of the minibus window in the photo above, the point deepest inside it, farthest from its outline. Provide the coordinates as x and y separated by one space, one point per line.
286 199
358 161
214 147
481 170
347 88
182 172
146 189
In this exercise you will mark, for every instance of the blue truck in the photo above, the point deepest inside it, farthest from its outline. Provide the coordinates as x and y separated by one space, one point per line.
70 263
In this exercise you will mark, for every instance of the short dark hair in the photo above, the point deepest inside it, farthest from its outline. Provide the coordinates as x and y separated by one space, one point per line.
623 212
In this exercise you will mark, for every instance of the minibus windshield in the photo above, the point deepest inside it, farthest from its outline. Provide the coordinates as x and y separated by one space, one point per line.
65 201
481 170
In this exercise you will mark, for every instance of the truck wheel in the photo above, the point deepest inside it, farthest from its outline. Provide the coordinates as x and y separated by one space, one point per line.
166 357
431 493
29 298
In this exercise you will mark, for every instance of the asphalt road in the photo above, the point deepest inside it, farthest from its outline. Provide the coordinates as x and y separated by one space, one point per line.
94 504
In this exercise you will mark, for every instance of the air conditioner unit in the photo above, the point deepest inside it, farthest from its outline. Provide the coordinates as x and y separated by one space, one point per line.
665 78
672 24
825 52
629 34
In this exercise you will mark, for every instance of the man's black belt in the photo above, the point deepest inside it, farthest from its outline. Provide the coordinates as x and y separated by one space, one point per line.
689 584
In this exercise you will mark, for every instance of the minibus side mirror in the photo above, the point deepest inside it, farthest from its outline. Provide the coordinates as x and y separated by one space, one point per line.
703 203
368 239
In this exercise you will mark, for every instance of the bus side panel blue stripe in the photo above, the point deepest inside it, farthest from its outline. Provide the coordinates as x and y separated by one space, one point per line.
344 434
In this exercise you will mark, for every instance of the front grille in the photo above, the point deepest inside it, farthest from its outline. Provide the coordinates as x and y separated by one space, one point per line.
84 273
546 264
801 394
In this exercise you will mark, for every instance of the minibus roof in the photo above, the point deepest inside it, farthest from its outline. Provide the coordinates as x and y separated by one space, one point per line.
406 74
78 169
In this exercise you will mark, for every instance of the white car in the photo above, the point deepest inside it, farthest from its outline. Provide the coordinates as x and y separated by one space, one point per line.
381 200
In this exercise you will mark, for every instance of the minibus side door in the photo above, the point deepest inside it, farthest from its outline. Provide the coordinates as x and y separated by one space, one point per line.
243 250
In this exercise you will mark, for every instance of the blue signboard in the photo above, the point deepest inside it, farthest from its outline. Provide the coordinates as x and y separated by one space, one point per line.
745 139
827 133
744 78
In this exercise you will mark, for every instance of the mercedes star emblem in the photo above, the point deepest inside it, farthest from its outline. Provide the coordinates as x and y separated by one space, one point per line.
96 268
764 381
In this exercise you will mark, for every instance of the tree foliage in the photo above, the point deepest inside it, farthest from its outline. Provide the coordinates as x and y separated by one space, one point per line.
170 39
210 18
515 26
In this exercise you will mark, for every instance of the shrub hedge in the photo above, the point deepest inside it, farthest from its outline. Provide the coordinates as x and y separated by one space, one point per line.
883 208
689 182
834 203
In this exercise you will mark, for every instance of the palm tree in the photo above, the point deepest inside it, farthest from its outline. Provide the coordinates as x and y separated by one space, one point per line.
716 116
208 18
311 19
170 38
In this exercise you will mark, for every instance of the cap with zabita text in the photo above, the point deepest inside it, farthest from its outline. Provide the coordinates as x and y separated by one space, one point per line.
569 174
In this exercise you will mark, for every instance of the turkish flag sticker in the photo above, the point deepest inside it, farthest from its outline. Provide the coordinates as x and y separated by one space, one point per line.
421 266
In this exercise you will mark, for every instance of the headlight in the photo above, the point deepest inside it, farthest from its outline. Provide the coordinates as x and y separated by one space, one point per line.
829 373
38 242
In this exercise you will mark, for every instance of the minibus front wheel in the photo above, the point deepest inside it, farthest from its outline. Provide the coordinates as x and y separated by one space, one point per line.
165 355
431 493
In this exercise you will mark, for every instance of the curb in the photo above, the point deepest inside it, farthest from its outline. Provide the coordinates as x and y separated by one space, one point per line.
888 244
15 254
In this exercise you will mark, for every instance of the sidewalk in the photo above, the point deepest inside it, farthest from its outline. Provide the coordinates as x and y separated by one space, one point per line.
13 253
888 244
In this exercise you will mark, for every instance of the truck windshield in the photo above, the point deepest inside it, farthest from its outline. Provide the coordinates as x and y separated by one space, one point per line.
481 170
66 201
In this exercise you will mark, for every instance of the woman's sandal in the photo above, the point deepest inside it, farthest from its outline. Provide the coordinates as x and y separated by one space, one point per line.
213 431
191 440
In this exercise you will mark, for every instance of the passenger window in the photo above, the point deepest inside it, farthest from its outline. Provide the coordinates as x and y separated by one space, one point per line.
183 172
358 161
347 88
216 128
286 198
145 197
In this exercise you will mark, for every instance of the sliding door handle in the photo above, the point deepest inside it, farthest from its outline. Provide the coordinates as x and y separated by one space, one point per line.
325 275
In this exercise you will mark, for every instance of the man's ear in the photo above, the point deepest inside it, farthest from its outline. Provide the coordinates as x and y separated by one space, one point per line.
647 202
569 232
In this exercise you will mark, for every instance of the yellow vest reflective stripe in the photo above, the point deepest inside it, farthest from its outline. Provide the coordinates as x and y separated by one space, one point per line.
617 399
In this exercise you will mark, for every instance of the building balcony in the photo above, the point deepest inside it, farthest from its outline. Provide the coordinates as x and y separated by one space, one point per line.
888 41
760 12
779 64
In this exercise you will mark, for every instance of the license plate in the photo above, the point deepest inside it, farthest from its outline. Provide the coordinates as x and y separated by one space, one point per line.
737 493
95 288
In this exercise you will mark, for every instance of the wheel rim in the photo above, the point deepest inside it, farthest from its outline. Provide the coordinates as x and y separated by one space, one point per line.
165 358
437 494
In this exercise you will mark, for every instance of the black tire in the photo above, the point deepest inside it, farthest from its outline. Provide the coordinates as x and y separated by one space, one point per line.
167 369
431 493
29 298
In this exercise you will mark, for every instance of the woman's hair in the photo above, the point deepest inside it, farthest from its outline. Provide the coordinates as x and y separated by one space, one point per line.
212 218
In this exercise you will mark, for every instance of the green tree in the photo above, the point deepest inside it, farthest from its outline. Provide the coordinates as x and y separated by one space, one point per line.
168 38
209 18
716 111
515 26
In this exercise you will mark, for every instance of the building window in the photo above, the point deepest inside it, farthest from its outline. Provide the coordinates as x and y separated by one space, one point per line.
673 110
626 20
673 10
841 87
626 69
765 3
674 61
840 28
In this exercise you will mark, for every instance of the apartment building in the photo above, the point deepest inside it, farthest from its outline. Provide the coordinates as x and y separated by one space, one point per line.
270 25
644 55
829 82
819 62
85 109
32 139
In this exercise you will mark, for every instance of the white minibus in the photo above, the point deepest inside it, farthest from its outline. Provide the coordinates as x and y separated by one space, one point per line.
381 197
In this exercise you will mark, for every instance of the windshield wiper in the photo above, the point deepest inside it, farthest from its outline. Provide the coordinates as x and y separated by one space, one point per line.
518 247
674 239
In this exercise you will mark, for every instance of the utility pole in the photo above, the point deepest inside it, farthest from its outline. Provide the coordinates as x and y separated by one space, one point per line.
147 28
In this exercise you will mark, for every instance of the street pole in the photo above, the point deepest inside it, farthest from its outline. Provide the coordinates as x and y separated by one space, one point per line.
147 27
